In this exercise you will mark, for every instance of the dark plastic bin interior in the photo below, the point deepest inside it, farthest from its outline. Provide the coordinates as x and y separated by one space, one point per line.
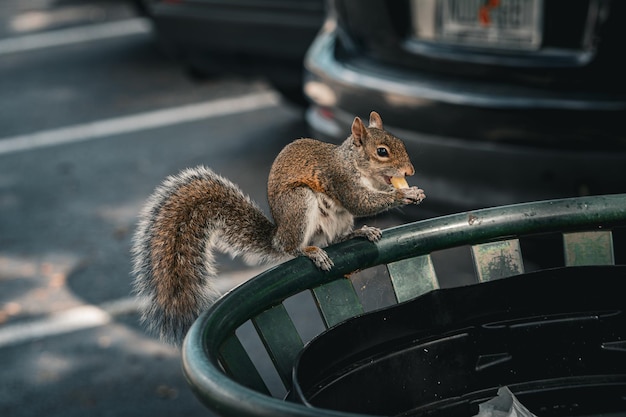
556 338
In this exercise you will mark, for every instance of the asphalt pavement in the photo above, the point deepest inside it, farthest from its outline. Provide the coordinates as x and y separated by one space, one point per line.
89 125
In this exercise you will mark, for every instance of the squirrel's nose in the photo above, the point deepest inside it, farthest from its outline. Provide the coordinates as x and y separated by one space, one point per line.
409 170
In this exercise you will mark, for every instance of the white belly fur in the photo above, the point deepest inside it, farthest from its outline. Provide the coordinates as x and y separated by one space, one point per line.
327 221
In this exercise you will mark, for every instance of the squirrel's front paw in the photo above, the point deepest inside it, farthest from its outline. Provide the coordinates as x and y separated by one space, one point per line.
413 195
372 234
319 257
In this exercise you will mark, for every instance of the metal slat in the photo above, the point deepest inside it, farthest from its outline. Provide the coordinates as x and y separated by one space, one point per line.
495 260
337 301
412 277
281 339
373 287
589 248
236 362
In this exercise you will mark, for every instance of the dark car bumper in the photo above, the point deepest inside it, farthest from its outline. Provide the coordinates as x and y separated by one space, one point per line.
278 29
475 144
256 38
453 106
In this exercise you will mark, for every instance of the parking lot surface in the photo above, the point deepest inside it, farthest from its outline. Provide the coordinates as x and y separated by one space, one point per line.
92 117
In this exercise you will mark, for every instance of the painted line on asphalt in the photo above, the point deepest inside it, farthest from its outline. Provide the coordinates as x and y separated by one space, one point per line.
78 318
142 121
81 34
92 316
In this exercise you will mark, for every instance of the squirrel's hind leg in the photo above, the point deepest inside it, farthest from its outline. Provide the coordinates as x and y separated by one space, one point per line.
319 257
298 228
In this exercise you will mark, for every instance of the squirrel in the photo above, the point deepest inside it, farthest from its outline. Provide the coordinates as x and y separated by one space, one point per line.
315 190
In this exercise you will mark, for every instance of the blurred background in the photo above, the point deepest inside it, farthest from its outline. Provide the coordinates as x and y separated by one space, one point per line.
498 102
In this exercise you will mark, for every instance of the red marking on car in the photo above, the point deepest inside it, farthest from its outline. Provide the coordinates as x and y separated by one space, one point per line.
484 16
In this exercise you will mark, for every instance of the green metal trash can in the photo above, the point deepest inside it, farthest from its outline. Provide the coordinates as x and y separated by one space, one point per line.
220 370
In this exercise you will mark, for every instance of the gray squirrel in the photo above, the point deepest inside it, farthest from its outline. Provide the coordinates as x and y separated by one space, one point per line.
315 190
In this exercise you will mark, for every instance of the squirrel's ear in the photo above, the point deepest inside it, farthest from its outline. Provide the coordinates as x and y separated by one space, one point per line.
376 121
358 132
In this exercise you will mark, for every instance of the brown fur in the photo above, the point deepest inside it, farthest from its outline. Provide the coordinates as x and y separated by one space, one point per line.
315 190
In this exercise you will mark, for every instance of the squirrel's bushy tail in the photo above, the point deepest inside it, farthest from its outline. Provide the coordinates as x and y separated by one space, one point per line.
186 217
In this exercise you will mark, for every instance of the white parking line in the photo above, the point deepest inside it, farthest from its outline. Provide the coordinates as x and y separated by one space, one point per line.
91 316
137 122
64 322
75 35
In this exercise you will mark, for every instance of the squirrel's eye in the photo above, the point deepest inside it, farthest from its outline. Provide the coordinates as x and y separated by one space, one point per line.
382 152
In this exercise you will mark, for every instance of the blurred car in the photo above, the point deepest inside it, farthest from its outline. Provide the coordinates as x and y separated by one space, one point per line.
246 37
499 101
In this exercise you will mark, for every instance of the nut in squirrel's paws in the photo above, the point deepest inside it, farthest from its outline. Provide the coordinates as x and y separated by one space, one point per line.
399 182
413 195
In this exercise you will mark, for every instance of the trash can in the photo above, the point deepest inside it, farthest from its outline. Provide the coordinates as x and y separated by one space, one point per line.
224 376
556 338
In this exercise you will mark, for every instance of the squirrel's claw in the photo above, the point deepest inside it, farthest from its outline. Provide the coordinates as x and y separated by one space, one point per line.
413 195
420 196
319 257
373 234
